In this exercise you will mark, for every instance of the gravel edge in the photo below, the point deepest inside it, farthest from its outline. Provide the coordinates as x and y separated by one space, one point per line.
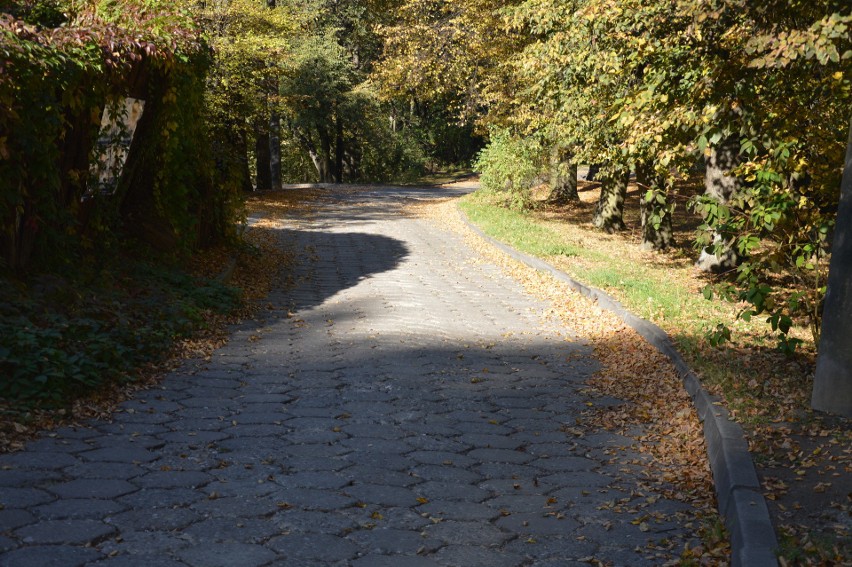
738 491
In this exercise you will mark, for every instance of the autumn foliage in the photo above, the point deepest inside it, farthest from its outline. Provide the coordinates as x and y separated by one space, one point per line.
63 64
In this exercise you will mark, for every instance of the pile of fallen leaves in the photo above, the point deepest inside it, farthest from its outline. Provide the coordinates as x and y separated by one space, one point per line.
656 410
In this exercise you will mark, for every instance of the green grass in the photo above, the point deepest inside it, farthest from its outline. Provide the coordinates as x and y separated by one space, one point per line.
518 230
645 289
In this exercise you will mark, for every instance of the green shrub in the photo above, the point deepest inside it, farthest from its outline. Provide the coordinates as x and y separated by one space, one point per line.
509 166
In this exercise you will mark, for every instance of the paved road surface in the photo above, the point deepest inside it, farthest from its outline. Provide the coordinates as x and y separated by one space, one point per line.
415 410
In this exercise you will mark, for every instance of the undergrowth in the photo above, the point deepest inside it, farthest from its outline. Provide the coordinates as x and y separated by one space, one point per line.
62 336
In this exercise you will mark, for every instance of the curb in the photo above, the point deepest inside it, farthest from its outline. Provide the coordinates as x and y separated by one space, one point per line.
738 491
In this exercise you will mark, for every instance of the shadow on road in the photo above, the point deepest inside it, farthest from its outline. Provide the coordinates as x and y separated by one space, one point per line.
327 262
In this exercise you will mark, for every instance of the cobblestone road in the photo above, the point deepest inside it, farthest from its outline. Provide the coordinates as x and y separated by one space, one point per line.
414 410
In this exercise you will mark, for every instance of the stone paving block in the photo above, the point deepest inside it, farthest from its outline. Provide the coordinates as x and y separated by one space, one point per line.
314 436
382 495
501 456
74 432
563 464
446 474
296 548
162 497
513 503
373 560
274 419
468 533
460 511
58 445
150 405
245 488
70 531
49 556
37 460
567 549
137 418
507 470
314 479
22 478
236 507
200 420
15 518
452 491
120 454
392 541
313 499
23 497
266 399
473 556
294 520
436 443
93 488
390 462
538 523
483 441
514 486
78 508
172 479
376 446
446 458
233 529
7 544
192 437
305 464
97 470
157 519
226 555
136 561
433 426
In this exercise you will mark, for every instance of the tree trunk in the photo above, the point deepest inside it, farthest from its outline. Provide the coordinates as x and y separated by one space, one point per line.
594 169
339 149
325 169
720 185
563 178
657 232
140 213
262 159
832 391
609 214
275 151
75 149
242 157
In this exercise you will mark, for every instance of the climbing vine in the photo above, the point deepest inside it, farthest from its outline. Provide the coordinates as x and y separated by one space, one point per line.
62 62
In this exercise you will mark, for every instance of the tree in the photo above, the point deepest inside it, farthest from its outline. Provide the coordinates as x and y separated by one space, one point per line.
563 177
720 185
609 213
832 390
656 213
249 38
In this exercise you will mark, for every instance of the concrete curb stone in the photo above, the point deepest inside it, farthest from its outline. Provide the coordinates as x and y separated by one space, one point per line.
740 502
